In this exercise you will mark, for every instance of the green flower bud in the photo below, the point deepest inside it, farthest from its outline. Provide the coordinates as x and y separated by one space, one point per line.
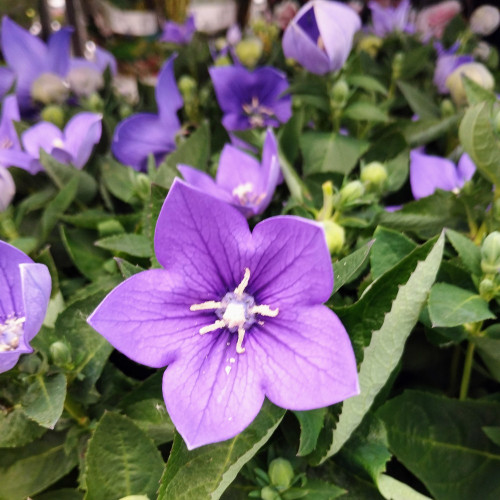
374 175
447 108
187 86
397 65
280 473
477 72
335 236
351 192
95 103
142 186
125 110
53 114
223 61
370 44
60 353
490 253
49 88
339 93
269 493
30 364
249 51
487 289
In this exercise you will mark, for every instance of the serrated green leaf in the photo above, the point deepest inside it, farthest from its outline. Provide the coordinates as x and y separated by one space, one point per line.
493 433
127 269
206 472
365 111
422 132
136 245
121 460
349 267
311 423
469 253
475 93
397 171
489 350
316 489
120 180
16 429
392 489
419 101
367 82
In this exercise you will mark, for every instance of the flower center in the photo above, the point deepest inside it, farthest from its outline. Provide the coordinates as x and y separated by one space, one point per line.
236 311
256 112
58 143
245 194
10 333
5 143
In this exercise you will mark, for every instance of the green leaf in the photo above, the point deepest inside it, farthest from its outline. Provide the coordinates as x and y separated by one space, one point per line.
419 101
493 433
441 441
316 489
392 489
131 244
480 141
387 344
120 180
63 494
16 429
311 423
389 248
205 473
348 268
397 170
450 306
127 269
469 253
325 152
121 460
422 132
368 83
44 400
477 94
365 111
489 350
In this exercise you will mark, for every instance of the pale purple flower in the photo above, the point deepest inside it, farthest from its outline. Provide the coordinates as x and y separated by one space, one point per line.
237 317
7 188
9 142
432 21
178 33
428 173
24 296
251 99
241 180
147 133
7 79
447 62
72 145
320 35
385 20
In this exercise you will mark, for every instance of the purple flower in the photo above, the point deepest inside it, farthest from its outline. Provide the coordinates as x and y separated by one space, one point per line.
237 316
7 79
251 99
241 180
179 33
146 133
24 297
388 19
73 145
428 173
30 58
320 35
9 142
447 62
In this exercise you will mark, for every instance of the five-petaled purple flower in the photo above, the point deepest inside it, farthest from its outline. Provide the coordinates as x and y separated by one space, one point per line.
24 297
428 173
447 62
236 316
320 35
143 134
178 33
72 145
241 180
385 20
251 99
9 142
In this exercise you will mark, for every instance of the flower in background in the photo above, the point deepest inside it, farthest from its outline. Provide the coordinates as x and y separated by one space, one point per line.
7 188
24 296
385 20
432 21
477 72
251 99
237 317
9 141
140 135
73 145
284 12
7 79
241 180
320 35
485 20
179 33
428 173
447 62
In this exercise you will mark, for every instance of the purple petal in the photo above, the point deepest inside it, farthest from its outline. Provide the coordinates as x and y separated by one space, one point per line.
139 136
230 85
81 134
8 360
237 168
58 52
179 33
428 173
193 237
10 114
15 158
203 182
105 59
7 188
7 78
271 169
168 97
292 263
466 168
306 358
43 135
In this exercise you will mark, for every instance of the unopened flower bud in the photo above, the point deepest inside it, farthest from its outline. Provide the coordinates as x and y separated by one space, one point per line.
249 51
142 186
335 236
339 93
7 188
397 65
490 253
60 353
223 61
30 364
370 44
84 80
187 86
477 72
485 20
49 88
269 493
487 289
374 175
351 192
280 473
447 108
53 114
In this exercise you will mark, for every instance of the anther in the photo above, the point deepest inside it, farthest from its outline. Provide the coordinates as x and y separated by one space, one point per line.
220 323
206 306
264 310
241 335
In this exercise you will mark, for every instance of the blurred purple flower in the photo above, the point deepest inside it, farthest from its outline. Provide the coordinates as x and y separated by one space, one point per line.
241 180
7 79
9 142
7 188
237 317
428 173
385 20
251 99
24 296
143 134
320 35
447 62
179 33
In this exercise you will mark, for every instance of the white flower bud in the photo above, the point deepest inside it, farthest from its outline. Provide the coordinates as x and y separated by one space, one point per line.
84 81
476 72
485 20
49 88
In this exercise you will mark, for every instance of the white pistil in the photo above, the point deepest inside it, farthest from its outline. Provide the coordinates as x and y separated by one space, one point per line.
58 143
10 333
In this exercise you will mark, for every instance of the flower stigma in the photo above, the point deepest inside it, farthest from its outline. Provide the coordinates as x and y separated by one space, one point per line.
58 143
256 112
236 312
10 333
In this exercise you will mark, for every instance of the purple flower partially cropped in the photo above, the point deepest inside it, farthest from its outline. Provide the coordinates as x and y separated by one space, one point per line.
428 173
241 180
7 188
237 317
251 99
385 20
72 145
447 62
9 142
146 133
24 296
7 79
179 33
320 35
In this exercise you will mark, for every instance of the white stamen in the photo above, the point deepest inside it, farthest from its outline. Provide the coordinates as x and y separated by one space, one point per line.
206 306
211 328
58 143
10 333
241 335
238 291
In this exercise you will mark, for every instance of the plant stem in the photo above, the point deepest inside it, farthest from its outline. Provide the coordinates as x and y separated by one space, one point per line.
464 386
76 412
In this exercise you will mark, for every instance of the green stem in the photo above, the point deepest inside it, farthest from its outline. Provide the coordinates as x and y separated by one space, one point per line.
464 386
75 412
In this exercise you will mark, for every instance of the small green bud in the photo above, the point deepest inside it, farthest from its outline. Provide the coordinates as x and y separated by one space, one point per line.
280 473
397 65
340 93
187 86
351 192
335 236
125 110
142 186
487 289
370 44
30 364
374 175
223 61
490 253
269 493
249 51
95 103
53 114
60 353
447 108
49 88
